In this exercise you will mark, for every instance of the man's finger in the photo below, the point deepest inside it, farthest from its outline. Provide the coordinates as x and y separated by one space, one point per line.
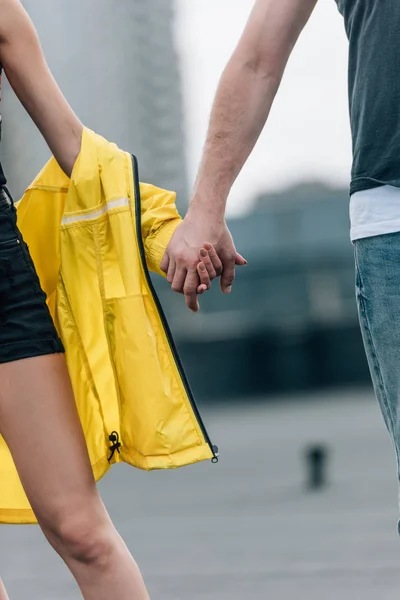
179 279
228 274
165 263
240 260
190 290
214 259
171 271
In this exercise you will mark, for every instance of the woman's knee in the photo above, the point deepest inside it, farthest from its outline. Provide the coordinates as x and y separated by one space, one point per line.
82 537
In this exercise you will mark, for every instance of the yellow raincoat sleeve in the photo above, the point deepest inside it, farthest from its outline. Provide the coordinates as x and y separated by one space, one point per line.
159 219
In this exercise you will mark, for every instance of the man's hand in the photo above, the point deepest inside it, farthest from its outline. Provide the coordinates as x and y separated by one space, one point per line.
182 257
241 107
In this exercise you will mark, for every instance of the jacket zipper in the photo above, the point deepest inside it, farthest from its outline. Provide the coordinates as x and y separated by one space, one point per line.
173 348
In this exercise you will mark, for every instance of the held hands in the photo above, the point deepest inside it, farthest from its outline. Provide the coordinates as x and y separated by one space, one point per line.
191 264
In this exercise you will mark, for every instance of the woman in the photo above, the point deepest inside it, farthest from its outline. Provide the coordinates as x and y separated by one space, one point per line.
35 387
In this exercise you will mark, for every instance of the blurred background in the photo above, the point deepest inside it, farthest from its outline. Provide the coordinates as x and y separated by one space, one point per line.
303 501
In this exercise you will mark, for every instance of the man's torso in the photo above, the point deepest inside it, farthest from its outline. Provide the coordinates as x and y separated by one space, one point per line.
373 31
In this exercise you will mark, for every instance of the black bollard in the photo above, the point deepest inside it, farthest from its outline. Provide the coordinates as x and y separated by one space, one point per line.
316 465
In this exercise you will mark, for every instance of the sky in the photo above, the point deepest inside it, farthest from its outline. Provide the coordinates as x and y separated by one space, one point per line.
307 136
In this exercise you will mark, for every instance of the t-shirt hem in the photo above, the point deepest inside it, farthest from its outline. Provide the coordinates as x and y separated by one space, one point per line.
360 184
374 229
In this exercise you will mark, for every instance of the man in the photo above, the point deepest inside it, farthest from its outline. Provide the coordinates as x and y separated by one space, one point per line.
242 105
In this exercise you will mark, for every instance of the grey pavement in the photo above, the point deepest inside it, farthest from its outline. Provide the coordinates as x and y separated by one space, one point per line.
248 527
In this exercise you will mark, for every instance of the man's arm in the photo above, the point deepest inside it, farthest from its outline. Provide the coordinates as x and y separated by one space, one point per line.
242 104
246 92
29 76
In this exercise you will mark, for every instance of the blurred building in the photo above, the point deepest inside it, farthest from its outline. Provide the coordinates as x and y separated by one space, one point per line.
117 65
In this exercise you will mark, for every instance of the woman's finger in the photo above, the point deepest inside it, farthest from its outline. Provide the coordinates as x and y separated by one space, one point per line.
214 258
204 277
206 260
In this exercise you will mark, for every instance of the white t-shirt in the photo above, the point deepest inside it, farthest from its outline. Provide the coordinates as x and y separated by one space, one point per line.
374 212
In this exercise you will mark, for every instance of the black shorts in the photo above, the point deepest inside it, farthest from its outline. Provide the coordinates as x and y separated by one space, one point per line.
26 326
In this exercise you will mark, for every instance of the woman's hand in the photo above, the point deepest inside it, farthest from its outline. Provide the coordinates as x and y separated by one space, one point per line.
181 257
208 266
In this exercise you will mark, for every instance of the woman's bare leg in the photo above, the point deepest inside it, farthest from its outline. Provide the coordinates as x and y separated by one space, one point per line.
40 424
3 592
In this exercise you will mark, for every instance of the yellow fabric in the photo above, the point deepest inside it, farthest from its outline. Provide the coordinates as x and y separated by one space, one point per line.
81 233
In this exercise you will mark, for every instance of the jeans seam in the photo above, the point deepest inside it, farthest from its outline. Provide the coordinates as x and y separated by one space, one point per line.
24 344
30 266
374 354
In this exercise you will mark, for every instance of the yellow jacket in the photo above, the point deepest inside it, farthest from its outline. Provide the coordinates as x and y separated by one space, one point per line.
93 238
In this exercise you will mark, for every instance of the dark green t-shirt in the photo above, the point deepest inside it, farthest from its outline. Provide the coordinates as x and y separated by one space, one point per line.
373 30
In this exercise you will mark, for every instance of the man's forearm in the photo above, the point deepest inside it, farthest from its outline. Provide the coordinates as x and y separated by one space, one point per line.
245 96
241 107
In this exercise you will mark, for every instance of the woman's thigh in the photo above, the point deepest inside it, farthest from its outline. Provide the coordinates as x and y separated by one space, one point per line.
38 415
40 424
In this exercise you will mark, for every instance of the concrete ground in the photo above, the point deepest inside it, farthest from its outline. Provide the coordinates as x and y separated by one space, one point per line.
248 527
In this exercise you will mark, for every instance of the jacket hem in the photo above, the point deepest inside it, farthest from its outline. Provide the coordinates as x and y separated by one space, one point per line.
175 460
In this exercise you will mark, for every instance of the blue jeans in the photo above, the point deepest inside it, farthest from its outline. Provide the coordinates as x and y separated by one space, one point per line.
377 261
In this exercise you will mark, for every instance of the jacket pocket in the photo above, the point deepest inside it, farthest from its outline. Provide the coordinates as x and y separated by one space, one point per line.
155 415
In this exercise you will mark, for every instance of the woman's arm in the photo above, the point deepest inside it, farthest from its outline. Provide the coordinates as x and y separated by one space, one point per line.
26 69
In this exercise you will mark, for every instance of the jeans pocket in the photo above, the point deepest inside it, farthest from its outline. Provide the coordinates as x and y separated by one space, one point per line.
31 268
6 244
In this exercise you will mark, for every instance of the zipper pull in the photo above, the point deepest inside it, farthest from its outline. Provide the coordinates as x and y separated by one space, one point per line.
115 444
214 459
